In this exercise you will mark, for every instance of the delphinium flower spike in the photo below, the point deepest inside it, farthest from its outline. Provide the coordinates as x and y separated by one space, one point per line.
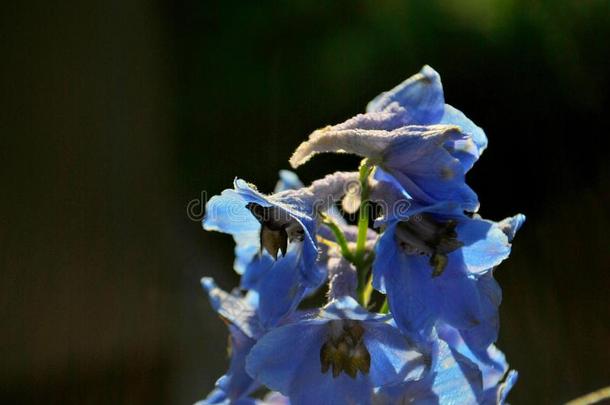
406 312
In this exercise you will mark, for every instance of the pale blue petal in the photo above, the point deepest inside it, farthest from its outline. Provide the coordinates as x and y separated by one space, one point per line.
421 95
392 357
288 181
228 213
457 379
485 245
249 193
453 380
347 308
511 225
247 246
453 116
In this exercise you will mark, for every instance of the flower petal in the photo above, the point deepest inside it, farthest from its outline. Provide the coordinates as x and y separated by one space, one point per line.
485 245
453 380
453 116
228 213
280 290
460 301
288 181
412 296
236 309
427 170
347 307
421 95
511 225
393 359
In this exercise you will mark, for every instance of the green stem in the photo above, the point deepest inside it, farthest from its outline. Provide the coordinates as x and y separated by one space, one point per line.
340 236
362 266
384 308
363 214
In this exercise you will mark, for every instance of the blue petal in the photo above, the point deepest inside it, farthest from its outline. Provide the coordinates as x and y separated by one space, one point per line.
457 379
280 290
347 308
481 336
277 357
287 359
237 310
386 258
511 225
453 116
237 383
255 270
249 194
412 296
485 245
228 213
453 380
392 357
428 172
312 387
421 95
247 247
288 181
460 301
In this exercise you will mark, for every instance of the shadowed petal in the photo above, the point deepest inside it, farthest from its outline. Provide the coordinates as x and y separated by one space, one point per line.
280 289
278 356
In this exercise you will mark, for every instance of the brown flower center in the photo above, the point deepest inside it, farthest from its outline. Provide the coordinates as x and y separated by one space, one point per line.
344 350
277 228
426 236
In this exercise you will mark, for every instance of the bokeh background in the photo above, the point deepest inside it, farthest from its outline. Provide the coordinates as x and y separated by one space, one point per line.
116 114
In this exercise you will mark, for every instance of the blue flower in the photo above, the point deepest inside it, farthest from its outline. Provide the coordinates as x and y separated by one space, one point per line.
432 267
400 132
275 246
419 100
337 357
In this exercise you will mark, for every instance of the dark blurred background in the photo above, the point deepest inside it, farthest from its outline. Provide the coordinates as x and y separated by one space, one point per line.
116 114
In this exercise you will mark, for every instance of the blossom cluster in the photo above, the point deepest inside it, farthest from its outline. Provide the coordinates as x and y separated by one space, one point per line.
409 307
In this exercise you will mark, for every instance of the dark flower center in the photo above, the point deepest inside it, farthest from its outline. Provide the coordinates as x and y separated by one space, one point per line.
344 349
426 236
277 228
